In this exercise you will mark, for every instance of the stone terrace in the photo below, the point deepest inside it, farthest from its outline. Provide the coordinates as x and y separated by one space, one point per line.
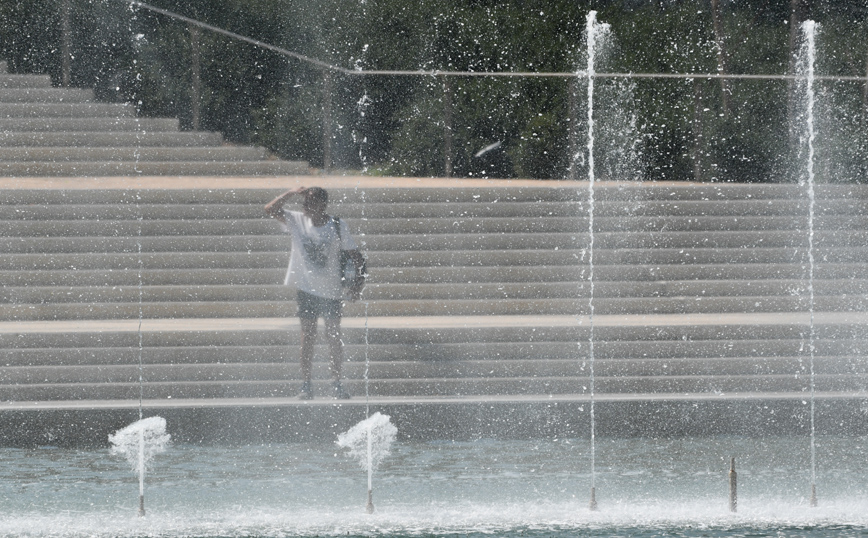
48 131
475 322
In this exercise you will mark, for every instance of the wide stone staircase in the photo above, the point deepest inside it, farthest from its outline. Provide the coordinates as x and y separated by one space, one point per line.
47 131
477 316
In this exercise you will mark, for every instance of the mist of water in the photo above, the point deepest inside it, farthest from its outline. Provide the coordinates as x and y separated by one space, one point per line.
138 443
369 442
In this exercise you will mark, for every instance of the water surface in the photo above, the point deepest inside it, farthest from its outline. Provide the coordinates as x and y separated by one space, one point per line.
645 487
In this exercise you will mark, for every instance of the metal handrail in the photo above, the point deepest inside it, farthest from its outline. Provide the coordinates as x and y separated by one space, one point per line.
440 73
252 41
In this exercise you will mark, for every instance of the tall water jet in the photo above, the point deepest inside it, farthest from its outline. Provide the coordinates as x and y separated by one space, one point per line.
367 371
369 442
138 443
121 442
805 83
594 31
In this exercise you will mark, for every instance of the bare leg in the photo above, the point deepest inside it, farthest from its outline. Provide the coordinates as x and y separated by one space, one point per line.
336 347
336 351
308 339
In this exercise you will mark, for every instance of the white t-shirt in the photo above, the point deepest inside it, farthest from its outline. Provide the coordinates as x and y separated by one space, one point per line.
314 264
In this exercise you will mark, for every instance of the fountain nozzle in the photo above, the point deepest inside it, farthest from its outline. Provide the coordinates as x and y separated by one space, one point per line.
593 504
141 506
370 507
733 487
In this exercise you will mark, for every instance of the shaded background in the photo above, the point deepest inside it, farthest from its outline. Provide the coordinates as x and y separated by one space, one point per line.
687 129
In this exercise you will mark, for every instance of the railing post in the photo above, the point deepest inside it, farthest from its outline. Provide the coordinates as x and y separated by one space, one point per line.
573 126
795 17
447 127
865 92
196 84
698 145
717 23
327 121
66 39
733 487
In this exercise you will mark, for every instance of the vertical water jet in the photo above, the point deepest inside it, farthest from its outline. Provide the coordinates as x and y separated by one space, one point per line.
593 31
806 77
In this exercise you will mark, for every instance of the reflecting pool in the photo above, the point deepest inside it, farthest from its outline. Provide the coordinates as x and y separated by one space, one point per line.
645 487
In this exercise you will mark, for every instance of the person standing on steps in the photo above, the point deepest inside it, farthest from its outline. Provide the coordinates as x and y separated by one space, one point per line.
319 242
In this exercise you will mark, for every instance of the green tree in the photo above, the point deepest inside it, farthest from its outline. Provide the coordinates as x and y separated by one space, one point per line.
396 124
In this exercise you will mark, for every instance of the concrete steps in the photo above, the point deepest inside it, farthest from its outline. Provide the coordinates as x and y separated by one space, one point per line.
454 362
132 153
476 295
42 95
139 139
195 251
22 81
46 131
85 168
519 307
87 124
76 107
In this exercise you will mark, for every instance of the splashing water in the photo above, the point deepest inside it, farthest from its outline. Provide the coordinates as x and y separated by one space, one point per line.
139 443
126 441
612 145
595 32
369 442
360 138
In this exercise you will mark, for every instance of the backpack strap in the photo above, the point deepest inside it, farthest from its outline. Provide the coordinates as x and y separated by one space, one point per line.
337 222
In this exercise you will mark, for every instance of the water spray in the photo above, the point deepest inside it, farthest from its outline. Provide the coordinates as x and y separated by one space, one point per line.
141 471
806 65
139 265
138 443
592 29
369 508
369 442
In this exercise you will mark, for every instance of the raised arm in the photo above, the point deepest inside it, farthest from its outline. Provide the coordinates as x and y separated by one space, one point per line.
274 208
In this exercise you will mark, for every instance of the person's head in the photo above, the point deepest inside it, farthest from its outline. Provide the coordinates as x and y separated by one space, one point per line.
315 200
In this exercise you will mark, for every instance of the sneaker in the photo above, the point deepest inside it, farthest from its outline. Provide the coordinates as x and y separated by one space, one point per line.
340 393
306 391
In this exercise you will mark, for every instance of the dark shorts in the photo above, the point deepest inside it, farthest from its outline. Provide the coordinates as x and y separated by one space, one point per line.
314 306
